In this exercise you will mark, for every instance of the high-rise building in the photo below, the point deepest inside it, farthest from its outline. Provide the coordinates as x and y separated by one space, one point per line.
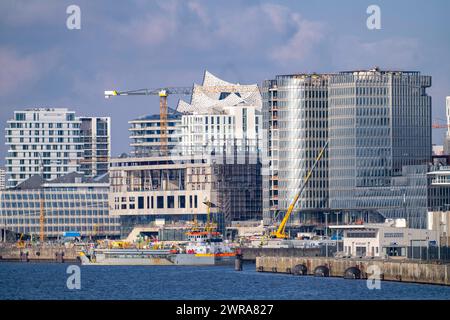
95 135
270 154
42 141
379 141
447 136
295 110
145 134
2 178
72 203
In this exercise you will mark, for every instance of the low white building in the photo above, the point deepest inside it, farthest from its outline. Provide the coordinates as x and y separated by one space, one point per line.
391 238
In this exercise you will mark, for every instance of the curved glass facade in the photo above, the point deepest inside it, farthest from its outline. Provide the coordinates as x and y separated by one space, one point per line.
302 130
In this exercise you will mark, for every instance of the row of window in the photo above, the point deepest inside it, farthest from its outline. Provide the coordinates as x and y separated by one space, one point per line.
156 202
43 125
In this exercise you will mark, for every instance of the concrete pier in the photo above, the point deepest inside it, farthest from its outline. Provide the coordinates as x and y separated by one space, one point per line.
391 270
36 253
250 254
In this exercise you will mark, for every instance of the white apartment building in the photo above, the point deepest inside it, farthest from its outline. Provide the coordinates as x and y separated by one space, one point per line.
42 139
145 134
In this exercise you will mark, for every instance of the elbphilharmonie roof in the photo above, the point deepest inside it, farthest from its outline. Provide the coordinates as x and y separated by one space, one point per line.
215 94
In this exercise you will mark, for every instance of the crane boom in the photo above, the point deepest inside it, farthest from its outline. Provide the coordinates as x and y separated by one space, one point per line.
163 93
281 233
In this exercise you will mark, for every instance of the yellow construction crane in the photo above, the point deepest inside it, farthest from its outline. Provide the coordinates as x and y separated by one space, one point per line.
163 93
209 226
280 233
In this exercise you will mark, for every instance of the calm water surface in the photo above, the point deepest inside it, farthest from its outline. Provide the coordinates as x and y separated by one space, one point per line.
48 281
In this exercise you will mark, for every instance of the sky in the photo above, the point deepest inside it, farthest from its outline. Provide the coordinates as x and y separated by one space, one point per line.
137 44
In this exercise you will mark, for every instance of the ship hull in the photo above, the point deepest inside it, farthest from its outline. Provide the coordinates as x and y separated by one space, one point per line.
153 258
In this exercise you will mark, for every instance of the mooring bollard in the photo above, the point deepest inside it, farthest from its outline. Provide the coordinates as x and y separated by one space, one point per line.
60 256
24 257
238 260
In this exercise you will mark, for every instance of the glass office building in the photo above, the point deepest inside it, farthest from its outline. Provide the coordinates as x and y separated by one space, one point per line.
379 141
72 203
295 111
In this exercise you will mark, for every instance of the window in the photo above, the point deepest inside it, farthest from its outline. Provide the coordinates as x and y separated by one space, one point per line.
140 202
181 202
170 202
160 202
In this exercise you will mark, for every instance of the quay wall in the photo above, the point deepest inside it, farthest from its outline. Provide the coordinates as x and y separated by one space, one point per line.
37 253
250 254
391 270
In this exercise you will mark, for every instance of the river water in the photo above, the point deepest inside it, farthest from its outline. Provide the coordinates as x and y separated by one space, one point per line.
49 281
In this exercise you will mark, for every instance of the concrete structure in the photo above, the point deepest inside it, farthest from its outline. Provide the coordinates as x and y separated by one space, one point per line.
50 253
403 270
146 189
95 135
71 203
145 134
295 109
379 130
391 238
2 178
42 139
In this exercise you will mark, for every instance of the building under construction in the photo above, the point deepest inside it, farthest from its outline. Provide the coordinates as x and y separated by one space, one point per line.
202 156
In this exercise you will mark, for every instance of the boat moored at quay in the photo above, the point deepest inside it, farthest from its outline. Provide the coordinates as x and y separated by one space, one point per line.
203 248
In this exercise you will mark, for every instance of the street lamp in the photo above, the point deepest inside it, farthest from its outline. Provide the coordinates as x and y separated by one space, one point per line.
326 233
337 230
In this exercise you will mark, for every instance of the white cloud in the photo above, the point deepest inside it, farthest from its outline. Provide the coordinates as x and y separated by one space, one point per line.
308 34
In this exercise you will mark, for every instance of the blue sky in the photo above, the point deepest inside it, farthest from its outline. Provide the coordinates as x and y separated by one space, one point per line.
149 44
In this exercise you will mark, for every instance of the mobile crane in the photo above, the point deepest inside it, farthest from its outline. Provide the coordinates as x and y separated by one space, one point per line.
280 233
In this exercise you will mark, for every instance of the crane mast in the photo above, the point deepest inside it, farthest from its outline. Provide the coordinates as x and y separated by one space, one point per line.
163 93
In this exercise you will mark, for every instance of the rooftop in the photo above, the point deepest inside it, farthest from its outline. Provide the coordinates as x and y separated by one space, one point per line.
37 182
